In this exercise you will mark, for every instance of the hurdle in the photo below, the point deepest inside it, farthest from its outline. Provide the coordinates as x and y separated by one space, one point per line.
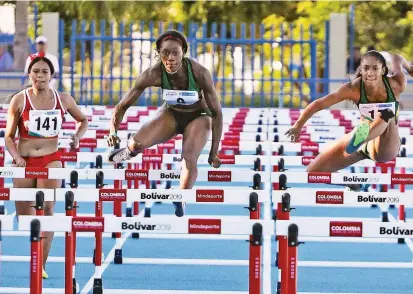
255 228
280 180
292 230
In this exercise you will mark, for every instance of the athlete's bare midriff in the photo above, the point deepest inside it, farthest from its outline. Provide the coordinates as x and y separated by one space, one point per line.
37 147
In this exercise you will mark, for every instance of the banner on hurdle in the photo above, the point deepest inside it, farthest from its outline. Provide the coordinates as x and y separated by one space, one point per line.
158 224
364 229
313 197
164 195
342 178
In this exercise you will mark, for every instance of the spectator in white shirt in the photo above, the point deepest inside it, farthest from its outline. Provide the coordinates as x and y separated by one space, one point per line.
41 45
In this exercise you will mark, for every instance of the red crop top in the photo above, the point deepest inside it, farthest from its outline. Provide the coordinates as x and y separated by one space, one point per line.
41 124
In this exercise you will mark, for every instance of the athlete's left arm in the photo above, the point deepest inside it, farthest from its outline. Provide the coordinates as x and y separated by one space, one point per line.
211 98
73 109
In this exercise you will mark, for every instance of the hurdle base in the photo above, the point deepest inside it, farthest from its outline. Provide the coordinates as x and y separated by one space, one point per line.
392 206
94 256
128 212
135 235
75 287
147 212
385 217
116 235
401 241
278 288
2 210
118 259
373 206
97 286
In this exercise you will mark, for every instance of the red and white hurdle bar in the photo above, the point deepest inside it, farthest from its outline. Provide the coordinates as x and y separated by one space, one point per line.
206 175
280 180
255 228
291 231
241 197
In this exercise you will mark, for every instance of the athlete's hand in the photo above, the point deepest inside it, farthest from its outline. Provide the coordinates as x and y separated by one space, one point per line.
75 141
293 134
113 139
19 162
214 161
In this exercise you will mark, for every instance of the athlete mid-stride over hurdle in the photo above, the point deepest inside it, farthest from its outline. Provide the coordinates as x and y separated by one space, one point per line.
191 107
376 95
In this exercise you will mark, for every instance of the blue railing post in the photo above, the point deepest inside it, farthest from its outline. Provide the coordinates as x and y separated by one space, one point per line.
61 50
352 37
102 58
313 54
72 58
82 59
92 58
326 86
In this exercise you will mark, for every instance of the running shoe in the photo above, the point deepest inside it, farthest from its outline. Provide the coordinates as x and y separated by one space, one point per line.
119 155
360 135
44 274
179 208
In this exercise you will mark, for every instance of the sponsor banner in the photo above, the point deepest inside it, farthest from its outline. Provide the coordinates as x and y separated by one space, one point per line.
359 178
4 194
319 178
36 173
156 195
306 160
395 231
402 179
379 197
68 156
88 143
169 175
204 226
100 134
346 229
136 174
209 195
88 224
145 226
329 197
147 158
309 147
4 173
227 159
112 195
219 176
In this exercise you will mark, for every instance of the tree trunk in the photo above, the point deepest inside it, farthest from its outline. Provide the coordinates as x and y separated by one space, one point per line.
21 45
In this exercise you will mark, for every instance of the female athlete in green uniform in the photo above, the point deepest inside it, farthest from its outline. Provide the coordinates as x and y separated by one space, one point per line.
377 96
191 108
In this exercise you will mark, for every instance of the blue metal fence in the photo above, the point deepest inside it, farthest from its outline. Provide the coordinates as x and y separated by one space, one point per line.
252 65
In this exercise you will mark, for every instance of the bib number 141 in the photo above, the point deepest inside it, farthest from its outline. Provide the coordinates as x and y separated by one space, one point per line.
46 123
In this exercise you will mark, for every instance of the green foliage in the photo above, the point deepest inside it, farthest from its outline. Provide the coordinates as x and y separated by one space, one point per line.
386 25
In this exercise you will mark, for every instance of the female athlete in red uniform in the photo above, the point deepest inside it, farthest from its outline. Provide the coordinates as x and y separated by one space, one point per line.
38 113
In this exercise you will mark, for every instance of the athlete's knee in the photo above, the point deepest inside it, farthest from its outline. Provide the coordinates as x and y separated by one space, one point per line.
387 114
190 162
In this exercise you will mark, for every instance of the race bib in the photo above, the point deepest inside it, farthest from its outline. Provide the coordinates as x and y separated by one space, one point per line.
44 123
372 110
178 97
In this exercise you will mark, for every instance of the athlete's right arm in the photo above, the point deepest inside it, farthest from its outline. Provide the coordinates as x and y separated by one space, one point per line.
145 80
345 92
13 117
406 65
